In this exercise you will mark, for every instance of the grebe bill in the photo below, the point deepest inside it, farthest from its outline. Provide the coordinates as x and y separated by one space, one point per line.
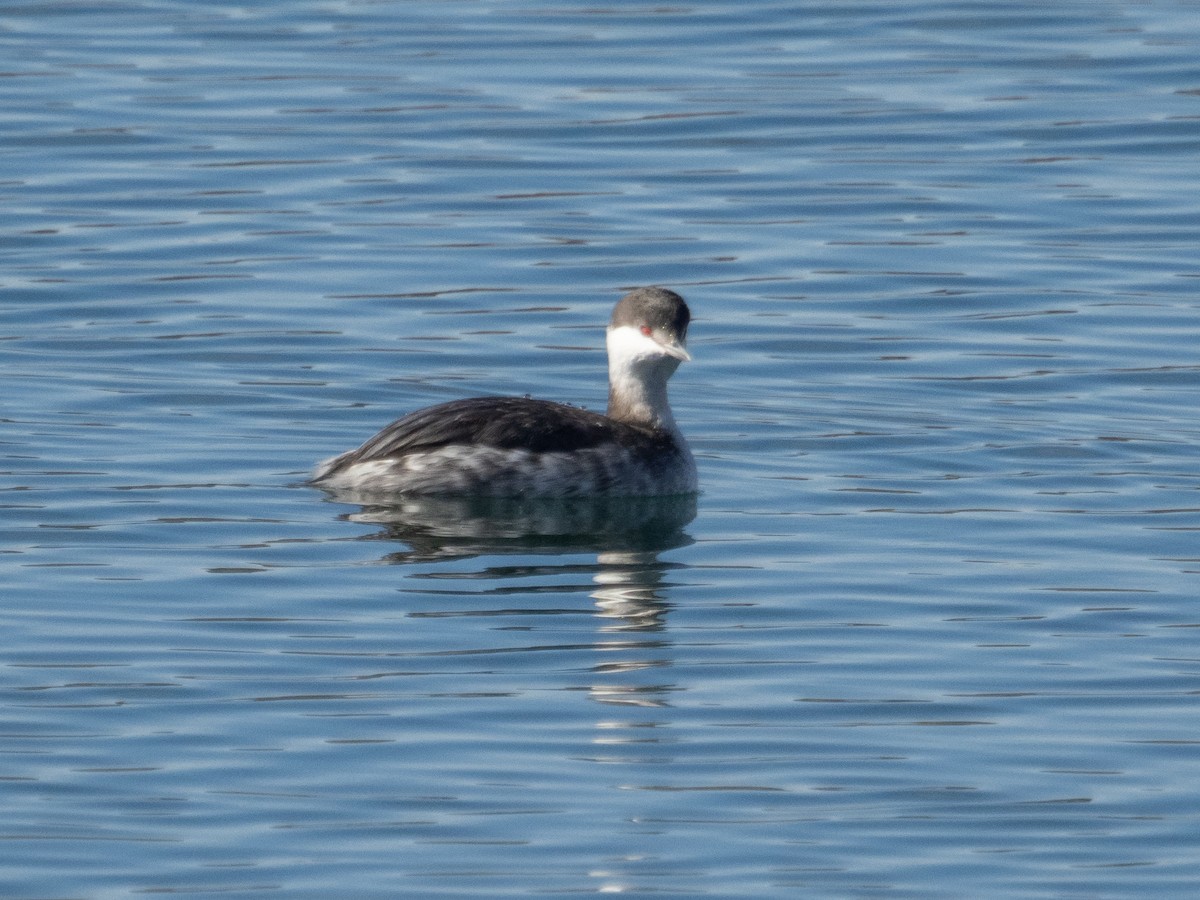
519 447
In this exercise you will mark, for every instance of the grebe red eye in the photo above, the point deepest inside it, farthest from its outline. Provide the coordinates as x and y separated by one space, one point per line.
646 330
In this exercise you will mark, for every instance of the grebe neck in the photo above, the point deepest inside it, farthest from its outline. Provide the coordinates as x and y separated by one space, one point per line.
638 372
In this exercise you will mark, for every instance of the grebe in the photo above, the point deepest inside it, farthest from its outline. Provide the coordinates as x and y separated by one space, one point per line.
518 447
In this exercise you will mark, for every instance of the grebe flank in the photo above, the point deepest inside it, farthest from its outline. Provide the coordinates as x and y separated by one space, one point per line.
518 447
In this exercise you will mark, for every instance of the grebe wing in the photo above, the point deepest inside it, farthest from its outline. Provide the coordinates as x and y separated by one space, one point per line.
506 423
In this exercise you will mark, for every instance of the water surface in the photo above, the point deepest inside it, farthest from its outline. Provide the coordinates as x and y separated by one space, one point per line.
928 632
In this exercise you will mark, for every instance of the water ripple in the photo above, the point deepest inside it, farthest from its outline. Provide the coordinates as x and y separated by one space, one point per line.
928 630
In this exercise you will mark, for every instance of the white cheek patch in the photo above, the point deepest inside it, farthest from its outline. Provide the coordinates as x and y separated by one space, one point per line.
628 345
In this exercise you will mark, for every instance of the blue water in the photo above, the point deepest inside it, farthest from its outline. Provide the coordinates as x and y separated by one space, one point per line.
930 630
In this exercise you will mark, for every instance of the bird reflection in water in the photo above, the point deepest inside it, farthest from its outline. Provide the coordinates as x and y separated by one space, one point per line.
630 647
627 534
439 528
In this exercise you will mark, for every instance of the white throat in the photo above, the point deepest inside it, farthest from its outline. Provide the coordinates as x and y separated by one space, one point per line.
638 370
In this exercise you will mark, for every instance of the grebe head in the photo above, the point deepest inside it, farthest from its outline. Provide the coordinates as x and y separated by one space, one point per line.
654 320
645 346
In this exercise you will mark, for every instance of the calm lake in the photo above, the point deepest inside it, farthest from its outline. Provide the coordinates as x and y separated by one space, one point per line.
929 632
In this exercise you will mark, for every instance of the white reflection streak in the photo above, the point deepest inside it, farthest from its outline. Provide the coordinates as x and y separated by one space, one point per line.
624 593
628 603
